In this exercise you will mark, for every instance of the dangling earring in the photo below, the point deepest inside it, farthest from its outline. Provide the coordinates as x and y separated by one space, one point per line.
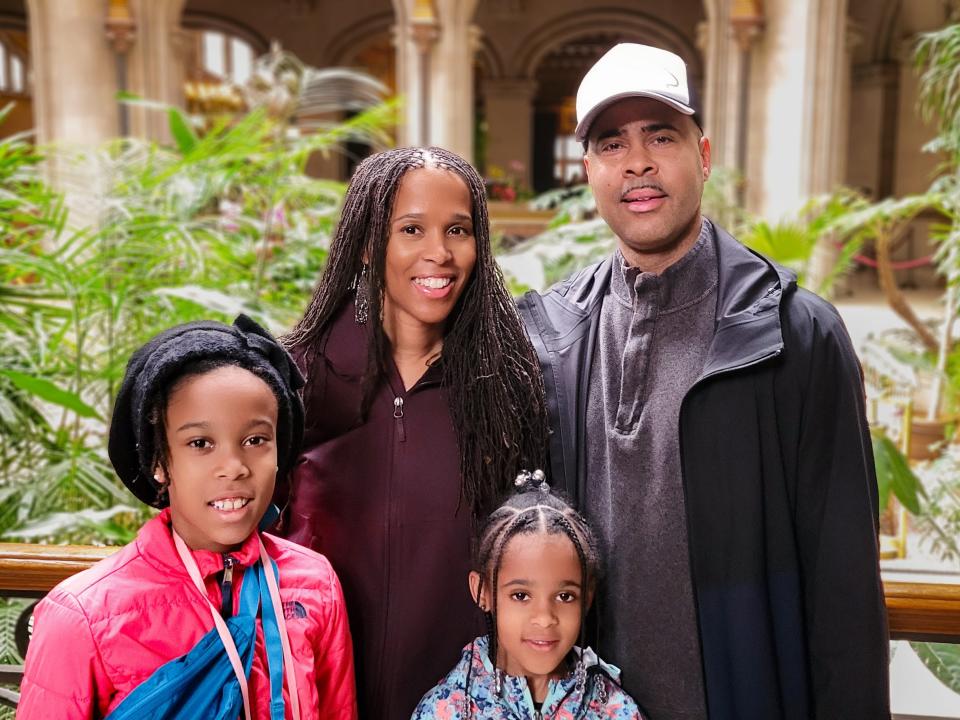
498 681
361 297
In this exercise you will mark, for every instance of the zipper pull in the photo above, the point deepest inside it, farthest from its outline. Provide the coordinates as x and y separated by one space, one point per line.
226 587
398 415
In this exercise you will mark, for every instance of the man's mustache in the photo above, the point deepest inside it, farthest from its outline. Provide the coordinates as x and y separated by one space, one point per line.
646 185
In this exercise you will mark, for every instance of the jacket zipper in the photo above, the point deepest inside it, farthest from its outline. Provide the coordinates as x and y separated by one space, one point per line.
380 690
398 414
226 587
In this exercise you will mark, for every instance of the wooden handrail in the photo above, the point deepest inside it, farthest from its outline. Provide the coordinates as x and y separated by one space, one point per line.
923 611
29 570
915 610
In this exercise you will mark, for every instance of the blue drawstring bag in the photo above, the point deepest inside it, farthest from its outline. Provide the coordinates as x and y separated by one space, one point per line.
202 683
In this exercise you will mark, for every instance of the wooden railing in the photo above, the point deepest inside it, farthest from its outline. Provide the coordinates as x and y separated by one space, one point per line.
923 611
32 570
917 611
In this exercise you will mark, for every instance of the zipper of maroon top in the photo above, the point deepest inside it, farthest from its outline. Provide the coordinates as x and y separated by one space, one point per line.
226 586
398 415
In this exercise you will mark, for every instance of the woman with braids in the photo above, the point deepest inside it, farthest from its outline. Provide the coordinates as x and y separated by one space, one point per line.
536 568
423 395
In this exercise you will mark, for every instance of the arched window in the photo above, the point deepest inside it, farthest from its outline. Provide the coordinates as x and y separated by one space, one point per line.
220 58
225 57
13 69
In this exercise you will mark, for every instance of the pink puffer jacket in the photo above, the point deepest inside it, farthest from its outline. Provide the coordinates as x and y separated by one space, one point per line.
102 632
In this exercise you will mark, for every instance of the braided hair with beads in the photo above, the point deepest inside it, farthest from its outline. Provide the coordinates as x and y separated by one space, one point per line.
534 509
490 370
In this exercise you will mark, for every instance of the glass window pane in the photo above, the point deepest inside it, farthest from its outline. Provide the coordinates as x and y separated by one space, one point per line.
574 149
214 60
16 74
242 60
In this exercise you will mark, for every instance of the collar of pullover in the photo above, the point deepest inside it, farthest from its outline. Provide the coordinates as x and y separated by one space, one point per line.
684 283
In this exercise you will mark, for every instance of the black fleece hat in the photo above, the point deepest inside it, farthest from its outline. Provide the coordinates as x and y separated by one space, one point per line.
161 361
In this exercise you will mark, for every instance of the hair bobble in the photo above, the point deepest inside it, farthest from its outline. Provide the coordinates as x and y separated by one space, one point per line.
527 481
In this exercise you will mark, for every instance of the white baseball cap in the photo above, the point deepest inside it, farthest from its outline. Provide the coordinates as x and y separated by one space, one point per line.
631 70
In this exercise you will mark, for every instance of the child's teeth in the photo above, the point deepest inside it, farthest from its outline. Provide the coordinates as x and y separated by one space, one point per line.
232 504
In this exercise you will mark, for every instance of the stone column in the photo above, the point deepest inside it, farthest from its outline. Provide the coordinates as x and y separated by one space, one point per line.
800 70
156 64
510 124
74 71
830 169
721 86
451 96
74 95
828 90
436 43
414 35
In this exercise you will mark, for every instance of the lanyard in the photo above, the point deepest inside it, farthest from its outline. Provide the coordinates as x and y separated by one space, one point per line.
270 571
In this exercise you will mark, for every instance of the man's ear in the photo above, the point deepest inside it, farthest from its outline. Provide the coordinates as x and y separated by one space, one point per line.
705 157
481 599
586 165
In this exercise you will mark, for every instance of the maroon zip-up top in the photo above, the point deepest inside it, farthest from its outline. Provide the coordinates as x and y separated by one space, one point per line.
380 499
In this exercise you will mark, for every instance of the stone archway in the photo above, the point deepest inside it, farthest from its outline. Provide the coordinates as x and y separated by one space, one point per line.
352 40
637 26
542 79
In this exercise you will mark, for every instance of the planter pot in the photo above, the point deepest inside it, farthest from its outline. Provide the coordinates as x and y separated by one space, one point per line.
927 436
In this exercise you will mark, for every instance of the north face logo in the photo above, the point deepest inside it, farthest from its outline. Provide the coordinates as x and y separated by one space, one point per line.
293 609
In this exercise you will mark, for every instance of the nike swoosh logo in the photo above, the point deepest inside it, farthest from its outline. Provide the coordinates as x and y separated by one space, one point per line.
675 83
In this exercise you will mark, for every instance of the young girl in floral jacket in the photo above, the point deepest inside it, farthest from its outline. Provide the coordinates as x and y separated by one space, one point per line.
537 566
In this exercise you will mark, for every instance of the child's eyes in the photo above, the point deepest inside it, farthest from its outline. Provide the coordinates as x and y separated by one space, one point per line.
204 443
519 596
567 597
409 230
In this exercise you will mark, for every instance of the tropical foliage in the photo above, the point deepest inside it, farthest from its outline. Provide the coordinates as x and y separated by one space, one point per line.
222 222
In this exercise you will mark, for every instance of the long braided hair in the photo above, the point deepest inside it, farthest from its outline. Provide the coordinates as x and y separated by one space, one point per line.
489 368
534 509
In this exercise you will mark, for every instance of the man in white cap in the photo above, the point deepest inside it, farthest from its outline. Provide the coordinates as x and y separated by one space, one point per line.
708 416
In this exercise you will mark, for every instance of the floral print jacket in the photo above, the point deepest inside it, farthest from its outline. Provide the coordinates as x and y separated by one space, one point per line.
601 699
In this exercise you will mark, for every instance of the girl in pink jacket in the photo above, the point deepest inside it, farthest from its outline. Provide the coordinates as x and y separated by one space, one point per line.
202 615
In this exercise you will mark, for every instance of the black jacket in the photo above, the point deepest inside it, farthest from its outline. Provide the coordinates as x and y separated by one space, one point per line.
780 487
